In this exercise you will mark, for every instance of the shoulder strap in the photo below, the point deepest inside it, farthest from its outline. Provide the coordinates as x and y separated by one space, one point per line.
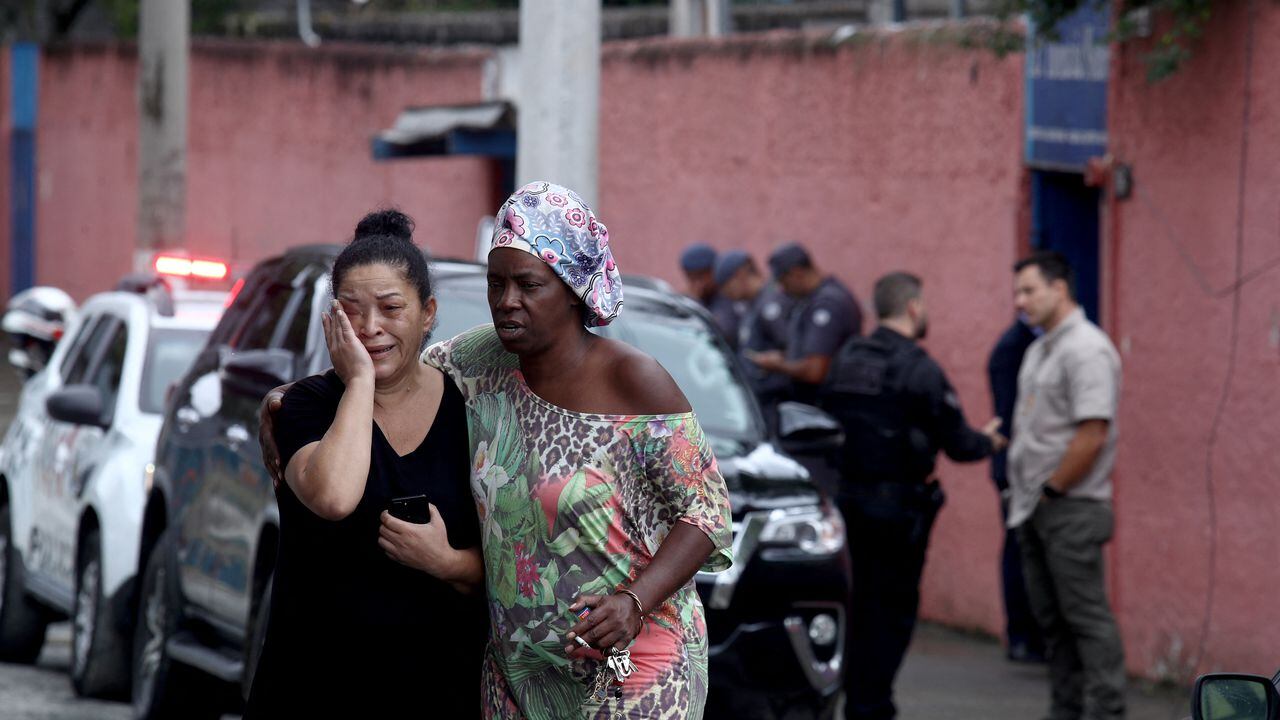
905 359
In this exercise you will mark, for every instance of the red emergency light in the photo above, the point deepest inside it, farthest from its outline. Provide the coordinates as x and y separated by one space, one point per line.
187 267
235 292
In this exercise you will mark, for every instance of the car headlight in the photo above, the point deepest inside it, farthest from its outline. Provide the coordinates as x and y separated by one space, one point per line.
823 630
816 531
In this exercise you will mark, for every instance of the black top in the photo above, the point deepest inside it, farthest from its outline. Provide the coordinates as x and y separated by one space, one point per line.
1002 371
351 630
898 410
819 325
728 317
765 328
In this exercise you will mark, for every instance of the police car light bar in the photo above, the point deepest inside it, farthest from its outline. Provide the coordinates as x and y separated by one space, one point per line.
186 267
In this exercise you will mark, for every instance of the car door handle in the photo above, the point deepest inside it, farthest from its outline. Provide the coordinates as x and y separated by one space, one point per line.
186 417
237 435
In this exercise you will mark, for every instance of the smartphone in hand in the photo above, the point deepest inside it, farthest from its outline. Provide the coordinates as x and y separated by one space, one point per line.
413 508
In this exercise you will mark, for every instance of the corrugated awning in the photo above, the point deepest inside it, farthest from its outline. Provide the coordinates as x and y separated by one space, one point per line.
486 129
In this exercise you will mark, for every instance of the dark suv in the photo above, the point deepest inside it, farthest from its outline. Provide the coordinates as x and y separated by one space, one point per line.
211 526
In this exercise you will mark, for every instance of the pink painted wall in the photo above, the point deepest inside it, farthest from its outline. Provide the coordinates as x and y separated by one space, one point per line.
278 153
890 153
86 168
1196 516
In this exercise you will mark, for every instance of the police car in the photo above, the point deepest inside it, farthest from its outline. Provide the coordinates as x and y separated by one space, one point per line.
74 468
34 321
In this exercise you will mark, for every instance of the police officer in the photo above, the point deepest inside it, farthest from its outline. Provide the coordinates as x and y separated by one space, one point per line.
825 316
34 321
763 327
898 411
698 262
1025 640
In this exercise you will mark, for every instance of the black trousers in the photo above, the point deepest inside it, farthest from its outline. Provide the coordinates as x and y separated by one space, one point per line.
888 529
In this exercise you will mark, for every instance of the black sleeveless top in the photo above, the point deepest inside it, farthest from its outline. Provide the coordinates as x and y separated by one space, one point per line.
351 630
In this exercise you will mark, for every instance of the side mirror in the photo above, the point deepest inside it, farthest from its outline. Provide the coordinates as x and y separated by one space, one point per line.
806 430
22 362
1228 696
254 372
77 404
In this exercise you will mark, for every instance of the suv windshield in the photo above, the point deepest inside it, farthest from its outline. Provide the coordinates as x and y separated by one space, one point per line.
169 354
700 364
684 345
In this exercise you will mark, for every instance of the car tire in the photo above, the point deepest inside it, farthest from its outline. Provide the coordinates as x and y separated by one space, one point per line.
163 687
22 621
99 652
257 638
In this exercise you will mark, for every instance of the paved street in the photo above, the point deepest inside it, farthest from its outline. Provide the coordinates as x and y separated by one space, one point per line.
10 386
954 676
948 676
43 692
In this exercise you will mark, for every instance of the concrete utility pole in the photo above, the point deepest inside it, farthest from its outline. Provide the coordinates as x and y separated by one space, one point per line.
163 46
886 12
691 18
558 128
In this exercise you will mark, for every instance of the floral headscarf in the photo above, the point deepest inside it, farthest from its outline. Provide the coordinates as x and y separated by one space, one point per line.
554 224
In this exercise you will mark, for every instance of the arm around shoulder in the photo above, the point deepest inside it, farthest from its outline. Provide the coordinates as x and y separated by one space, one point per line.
328 473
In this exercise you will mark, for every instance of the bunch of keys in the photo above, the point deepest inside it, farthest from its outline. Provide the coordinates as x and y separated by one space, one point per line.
615 669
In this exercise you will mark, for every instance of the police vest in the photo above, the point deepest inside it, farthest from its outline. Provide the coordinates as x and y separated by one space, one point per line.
866 391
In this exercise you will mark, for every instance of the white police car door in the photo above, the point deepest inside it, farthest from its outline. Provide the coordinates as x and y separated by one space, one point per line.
94 360
25 461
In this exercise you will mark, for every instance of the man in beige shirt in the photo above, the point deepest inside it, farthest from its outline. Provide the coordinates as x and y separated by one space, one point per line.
1064 445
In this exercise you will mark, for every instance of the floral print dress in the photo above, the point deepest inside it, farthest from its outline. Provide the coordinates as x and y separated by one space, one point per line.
575 503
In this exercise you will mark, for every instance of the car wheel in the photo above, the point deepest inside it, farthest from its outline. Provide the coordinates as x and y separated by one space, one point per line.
22 621
163 687
257 638
99 661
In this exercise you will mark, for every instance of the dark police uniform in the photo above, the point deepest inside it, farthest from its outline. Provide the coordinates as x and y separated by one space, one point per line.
1023 633
728 316
820 324
898 410
764 328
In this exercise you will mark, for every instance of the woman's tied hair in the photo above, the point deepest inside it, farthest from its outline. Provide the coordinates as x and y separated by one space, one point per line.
385 237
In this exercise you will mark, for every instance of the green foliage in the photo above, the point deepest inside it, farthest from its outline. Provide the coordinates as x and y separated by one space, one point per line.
208 17
124 16
1171 48
469 5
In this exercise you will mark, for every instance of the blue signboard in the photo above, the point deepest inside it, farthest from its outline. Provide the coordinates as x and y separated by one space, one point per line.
1066 103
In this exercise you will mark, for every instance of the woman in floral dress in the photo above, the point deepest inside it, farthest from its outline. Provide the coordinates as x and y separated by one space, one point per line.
594 483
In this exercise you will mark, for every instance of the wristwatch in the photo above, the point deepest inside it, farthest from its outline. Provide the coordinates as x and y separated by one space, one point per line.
1051 492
